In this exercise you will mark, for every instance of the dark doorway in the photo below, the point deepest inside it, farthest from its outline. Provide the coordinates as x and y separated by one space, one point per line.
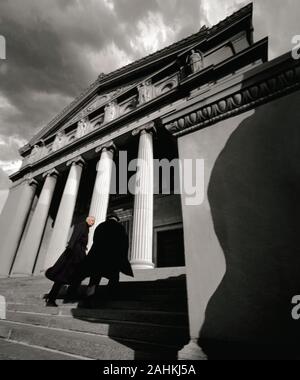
170 248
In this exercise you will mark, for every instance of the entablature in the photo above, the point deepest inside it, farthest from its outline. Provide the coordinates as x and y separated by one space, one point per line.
166 92
236 29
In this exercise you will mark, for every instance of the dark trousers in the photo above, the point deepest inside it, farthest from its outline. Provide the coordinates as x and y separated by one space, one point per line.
95 280
53 294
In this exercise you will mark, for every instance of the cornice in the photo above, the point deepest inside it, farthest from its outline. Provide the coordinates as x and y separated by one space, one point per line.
248 97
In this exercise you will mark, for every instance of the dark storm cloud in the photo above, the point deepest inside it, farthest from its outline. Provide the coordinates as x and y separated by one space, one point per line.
8 149
48 46
56 48
44 58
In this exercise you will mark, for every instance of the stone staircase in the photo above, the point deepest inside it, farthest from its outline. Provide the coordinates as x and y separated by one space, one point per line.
147 321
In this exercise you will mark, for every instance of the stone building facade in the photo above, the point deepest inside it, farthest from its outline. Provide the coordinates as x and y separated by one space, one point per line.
212 96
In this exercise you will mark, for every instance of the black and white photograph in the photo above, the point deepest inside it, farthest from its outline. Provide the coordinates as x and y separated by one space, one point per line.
149 183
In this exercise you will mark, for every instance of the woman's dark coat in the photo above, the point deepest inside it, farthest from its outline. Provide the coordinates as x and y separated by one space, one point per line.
71 259
109 253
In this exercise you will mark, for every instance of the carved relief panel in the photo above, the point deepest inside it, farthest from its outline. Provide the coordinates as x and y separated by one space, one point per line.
145 90
60 141
83 127
111 111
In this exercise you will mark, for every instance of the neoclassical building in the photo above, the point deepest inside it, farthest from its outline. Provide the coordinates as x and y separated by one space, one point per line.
212 96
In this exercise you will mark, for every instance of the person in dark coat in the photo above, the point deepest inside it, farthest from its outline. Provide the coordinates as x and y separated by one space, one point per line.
108 256
63 270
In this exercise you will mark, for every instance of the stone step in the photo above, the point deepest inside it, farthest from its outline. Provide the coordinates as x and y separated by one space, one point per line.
135 291
153 333
170 303
142 286
89 345
159 305
146 316
164 296
167 299
155 274
10 350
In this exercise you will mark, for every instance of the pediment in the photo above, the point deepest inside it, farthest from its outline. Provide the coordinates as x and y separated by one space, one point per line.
98 102
105 89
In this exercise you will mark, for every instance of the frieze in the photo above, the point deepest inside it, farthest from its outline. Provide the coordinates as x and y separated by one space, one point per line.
145 90
67 158
238 102
195 61
128 106
83 127
111 111
60 141
166 85
203 34
88 147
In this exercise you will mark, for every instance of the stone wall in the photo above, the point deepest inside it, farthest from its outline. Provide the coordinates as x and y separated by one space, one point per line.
247 227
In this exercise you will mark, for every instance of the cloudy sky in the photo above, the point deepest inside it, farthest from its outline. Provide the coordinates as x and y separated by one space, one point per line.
56 48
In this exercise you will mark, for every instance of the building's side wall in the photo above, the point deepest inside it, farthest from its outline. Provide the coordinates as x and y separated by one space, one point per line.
248 225
167 210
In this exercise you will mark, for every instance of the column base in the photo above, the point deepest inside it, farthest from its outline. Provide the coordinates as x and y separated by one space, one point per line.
192 351
140 264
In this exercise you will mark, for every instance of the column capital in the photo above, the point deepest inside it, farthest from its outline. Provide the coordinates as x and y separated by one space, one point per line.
110 146
146 128
76 161
32 182
52 172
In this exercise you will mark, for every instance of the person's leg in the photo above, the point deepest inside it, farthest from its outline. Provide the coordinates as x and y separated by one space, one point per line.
93 285
72 292
53 294
113 285
95 280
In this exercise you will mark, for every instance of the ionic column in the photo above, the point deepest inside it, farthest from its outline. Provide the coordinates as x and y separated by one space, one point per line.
17 214
142 235
27 253
100 197
63 221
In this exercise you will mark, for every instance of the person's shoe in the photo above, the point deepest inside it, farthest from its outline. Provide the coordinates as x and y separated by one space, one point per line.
50 303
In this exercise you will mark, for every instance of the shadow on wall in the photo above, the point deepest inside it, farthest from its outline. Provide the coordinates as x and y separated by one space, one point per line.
254 196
